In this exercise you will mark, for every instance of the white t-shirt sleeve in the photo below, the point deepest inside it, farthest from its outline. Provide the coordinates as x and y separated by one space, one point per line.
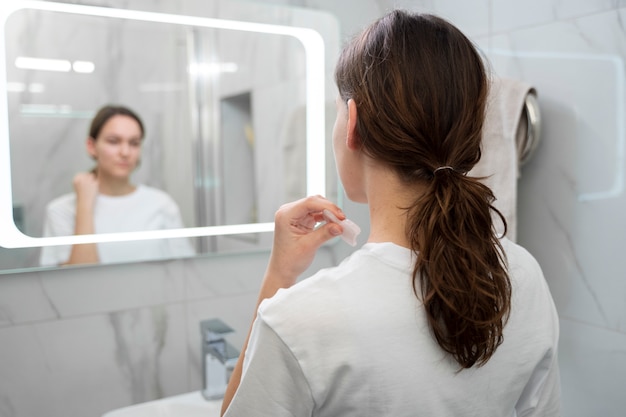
542 397
272 382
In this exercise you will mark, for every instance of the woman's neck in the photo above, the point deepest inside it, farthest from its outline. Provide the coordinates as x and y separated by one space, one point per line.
115 187
388 199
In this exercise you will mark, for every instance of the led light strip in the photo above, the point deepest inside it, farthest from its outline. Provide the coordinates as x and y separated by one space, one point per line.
60 65
12 237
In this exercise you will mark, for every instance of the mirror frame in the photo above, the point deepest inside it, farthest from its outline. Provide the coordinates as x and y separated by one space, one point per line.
12 237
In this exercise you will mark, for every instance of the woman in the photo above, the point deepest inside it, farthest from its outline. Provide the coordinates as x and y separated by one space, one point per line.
435 315
105 200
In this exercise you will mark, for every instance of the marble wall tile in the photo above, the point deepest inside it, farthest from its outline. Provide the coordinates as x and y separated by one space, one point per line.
223 276
24 299
593 370
352 18
68 292
88 365
98 289
471 17
512 15
572 191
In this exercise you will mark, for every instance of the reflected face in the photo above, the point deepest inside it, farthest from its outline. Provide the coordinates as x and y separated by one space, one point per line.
117 148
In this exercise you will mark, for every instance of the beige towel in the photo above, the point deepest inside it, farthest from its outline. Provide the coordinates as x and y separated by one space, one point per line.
503 133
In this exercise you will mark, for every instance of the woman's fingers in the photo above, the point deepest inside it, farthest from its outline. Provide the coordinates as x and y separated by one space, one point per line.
296 238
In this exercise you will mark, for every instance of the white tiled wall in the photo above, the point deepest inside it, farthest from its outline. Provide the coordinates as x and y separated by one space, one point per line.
81 341
571 196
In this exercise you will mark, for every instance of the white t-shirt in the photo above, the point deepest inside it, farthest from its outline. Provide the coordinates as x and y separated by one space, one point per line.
353 341
146 208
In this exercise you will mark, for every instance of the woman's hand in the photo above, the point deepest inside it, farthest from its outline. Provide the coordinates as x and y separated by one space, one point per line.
296 240
86 187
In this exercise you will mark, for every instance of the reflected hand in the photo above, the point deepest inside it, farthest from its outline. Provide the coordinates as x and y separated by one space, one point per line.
296 240
86 187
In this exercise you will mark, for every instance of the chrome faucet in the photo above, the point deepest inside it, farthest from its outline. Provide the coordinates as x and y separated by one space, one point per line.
218 358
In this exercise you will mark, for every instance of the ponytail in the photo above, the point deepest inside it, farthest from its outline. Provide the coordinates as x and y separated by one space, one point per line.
459 274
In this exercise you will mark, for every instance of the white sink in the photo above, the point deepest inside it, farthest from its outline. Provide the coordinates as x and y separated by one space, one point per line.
191 404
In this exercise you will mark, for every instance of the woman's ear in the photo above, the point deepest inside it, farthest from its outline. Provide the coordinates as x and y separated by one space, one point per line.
91 147
353 141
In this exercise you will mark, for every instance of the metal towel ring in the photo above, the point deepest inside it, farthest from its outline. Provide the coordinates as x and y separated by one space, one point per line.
533 128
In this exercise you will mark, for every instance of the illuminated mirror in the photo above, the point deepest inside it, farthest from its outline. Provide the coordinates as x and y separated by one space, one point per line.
234 114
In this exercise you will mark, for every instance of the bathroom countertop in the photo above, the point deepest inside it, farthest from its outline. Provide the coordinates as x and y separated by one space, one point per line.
191 404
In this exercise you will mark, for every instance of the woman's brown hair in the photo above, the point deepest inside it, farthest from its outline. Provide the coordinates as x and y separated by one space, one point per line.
107 112
420 89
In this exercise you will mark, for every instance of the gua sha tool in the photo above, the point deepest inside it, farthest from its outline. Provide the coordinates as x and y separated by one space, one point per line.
350 228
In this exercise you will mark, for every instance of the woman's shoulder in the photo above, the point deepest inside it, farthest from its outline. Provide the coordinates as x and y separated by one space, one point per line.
61 210
519 258
527 278
63 202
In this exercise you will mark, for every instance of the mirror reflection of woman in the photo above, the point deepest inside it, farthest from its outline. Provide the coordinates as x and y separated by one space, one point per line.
106 201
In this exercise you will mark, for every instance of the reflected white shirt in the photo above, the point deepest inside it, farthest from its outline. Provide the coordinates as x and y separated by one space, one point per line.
146 208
